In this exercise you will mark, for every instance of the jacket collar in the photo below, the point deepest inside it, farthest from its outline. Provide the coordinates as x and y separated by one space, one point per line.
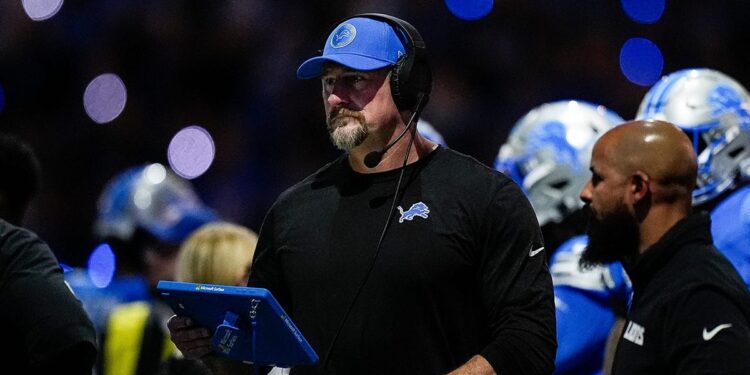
694 228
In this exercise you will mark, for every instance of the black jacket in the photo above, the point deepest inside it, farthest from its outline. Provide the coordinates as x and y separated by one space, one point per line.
690 312
45 329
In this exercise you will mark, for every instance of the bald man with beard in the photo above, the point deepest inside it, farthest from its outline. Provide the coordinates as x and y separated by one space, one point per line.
690 311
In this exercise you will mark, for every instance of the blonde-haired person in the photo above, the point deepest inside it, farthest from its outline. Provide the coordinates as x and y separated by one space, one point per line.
217 253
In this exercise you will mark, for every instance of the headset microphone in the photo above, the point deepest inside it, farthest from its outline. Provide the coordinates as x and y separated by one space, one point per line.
373 158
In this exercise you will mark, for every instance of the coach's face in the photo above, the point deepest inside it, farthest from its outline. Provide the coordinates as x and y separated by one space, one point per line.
613 227
357 103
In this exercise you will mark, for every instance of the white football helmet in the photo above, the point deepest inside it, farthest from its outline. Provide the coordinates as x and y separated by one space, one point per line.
548 153
712 109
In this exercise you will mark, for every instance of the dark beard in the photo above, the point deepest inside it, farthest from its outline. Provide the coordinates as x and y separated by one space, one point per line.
614 237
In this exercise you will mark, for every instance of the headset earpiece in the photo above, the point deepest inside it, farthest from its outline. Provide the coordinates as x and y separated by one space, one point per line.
400 74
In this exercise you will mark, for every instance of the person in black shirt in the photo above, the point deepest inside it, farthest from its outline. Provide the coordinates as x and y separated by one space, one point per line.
424 262
690 311
45 327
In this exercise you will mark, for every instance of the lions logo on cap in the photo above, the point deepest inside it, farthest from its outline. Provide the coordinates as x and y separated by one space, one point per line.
343 35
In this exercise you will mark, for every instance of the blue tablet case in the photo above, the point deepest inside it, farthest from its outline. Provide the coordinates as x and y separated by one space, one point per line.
249 324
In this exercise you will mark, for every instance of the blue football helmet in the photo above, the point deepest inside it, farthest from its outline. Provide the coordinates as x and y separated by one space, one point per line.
712 109
548 153
151 198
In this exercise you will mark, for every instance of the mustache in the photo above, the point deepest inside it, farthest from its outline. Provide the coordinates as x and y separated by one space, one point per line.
337 114
588 212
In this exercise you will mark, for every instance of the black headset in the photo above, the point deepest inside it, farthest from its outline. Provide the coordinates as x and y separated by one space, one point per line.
411 75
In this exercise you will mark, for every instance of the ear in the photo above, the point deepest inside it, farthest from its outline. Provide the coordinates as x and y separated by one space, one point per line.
640 186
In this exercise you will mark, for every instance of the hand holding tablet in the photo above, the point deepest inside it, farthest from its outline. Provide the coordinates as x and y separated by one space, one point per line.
247 324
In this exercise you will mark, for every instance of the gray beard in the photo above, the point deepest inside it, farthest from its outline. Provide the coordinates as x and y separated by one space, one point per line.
346 138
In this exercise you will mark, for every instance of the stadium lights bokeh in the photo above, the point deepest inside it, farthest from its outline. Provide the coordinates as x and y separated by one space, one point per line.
641 61
643 11
470 10
191 152
40 10
2 98
104 98
101 266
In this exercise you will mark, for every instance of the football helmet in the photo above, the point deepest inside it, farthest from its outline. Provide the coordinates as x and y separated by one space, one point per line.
712 108
152 198
548 153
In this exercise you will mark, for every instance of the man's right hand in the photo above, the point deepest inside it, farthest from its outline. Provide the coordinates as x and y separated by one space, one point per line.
193 341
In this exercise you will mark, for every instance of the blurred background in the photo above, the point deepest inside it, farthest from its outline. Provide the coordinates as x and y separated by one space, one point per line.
99 86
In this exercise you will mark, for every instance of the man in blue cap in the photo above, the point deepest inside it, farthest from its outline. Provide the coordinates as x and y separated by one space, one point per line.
401 256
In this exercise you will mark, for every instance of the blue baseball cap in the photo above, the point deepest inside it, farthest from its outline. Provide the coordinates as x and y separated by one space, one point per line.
358 43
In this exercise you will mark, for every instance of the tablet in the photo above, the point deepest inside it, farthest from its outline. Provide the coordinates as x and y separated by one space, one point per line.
248 324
